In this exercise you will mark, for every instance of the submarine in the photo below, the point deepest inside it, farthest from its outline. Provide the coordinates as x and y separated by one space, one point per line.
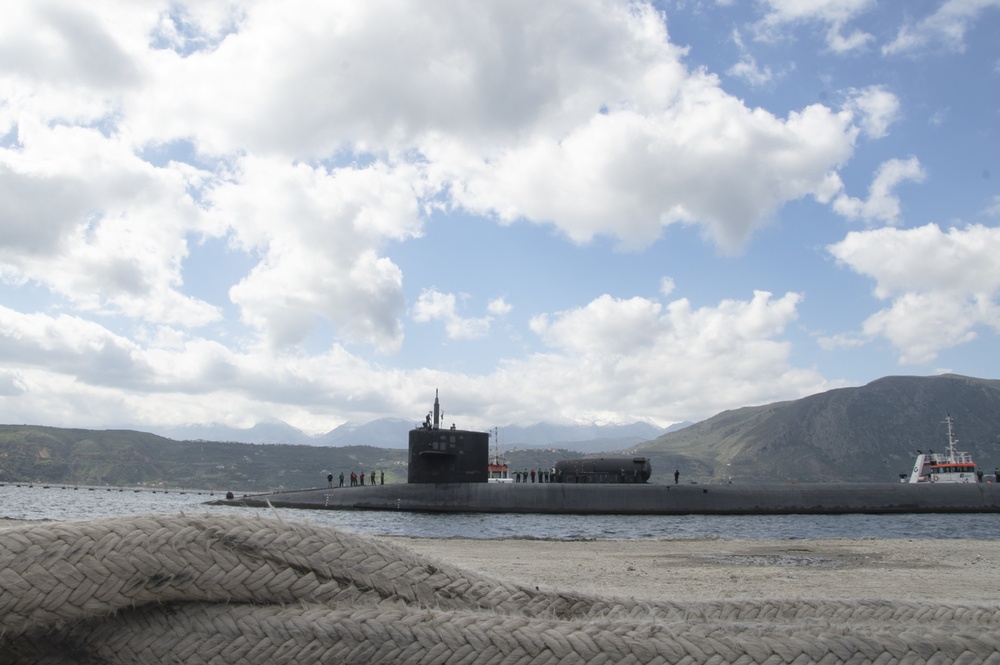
448 472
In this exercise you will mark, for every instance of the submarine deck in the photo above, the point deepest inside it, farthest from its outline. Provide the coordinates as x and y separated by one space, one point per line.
640 499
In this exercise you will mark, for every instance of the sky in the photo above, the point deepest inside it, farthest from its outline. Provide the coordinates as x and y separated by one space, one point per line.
237 212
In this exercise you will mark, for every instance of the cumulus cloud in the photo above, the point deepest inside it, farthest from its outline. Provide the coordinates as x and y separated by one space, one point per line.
877 107
636 352
941 285
747 68
84 216
432 305
667 286
706 160
486 124
320 231
834 14
11 384
81 347
882 204
74 371
613 358
946 26
499 307
390 75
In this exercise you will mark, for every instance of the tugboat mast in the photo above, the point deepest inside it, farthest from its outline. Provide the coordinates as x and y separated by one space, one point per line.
951 438
496 446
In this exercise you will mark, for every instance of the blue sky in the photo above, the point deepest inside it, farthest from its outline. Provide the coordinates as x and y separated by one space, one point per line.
238 212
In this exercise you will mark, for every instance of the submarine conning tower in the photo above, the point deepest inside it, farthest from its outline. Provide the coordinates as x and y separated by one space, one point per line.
447 455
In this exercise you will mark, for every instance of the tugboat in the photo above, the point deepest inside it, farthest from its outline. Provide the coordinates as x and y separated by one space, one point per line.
499 472
948 467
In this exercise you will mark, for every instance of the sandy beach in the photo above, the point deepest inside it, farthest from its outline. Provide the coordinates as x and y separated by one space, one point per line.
719 568
708 569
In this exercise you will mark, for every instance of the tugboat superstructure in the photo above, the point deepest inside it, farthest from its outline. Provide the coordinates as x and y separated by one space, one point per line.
499 471
948 467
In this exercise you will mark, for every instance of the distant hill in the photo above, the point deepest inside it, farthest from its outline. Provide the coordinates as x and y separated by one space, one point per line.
129 458
871 433
384 432
586 438
265 432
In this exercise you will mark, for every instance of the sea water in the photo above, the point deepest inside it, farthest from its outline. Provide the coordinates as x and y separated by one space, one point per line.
63 502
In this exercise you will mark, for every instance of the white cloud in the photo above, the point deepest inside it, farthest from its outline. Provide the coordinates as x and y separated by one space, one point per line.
706 160
942 285
80 347
462 96
633 357
606 325
389 75
667 286
635 353
877 107
938 118
11 383
67 45
433 305
946 26
747 68
83 215
72 371
882 203
499 307
835 14
319 233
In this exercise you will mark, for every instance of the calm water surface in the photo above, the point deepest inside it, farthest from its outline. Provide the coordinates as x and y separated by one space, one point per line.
65 503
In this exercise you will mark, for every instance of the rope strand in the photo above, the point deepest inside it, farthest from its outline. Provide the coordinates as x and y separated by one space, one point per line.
224 589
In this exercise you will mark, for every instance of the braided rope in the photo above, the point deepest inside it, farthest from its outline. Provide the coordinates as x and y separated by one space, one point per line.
223 589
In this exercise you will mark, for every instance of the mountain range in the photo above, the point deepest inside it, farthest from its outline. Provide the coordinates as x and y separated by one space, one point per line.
865 434
394 433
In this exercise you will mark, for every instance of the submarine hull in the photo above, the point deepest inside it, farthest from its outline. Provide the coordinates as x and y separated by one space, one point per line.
639 499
